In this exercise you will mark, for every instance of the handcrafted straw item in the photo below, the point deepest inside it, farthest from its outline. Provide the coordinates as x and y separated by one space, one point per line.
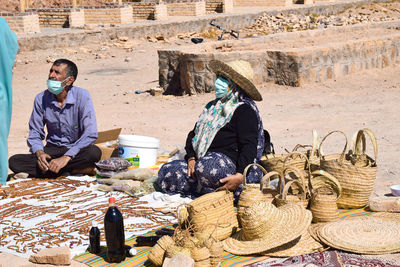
357 182
156 255
285 198
214 212
265 227
251 192
299 160
364 235
304 245
325 191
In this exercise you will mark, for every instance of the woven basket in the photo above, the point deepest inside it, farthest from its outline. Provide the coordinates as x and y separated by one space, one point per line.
278 162
284 198
156 255
214 212
251 192
200 254
268 192
357 182
324 194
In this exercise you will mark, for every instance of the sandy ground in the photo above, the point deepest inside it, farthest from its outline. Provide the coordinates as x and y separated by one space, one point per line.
368 99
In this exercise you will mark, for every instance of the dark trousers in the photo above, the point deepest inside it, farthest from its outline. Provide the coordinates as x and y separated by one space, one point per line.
28 162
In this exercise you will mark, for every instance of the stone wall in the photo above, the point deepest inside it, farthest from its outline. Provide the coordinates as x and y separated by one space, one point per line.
186 71
262 2
59 17
219 6
149 10
186 7
27 22
108 14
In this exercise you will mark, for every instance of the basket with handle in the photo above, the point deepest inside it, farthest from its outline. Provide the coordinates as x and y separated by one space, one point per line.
214 212
357 182
278 162
285 198
325 191
268 192
251 193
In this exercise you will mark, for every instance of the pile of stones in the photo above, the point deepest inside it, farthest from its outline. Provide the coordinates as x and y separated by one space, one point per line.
267 24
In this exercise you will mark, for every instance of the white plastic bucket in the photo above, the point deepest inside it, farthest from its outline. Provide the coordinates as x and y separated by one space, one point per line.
140 150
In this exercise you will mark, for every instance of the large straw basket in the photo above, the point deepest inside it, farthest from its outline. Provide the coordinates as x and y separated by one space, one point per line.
278 162
324 193
357 181
214 212
251 192
284 198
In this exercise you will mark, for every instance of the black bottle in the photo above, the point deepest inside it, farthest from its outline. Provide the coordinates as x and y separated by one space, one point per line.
94 238
114 231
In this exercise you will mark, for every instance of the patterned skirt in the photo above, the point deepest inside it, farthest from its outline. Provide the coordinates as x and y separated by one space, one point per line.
173 177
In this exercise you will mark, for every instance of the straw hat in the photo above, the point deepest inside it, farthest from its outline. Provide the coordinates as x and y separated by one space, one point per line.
265 226
240 72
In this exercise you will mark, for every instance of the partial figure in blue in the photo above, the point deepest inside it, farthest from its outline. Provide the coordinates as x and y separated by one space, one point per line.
227 137
67 113
8 52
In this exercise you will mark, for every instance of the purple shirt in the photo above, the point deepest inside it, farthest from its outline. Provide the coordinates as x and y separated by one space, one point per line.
73 126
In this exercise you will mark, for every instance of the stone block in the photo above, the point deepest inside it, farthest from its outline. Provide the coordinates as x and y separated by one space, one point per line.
385 204
56 256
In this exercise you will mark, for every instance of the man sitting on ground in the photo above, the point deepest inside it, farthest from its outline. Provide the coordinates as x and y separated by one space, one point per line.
68 114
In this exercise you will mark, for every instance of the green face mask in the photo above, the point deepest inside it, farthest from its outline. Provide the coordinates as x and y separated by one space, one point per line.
55 87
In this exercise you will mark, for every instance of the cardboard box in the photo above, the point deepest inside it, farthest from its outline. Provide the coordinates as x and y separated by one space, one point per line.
107 142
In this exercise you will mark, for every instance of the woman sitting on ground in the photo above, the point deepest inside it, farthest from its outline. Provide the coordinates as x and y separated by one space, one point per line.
227 137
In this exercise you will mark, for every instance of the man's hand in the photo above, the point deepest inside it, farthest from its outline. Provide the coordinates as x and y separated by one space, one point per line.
231 182
43 160
191 164
57 164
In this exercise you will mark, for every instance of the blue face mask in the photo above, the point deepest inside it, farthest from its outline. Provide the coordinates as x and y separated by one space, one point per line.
55 87
221 87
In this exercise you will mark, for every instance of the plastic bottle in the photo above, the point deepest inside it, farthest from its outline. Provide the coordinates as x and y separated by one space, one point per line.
114 231
94 238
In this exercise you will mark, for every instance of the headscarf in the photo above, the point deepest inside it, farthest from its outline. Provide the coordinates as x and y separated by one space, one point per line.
217 114
8 52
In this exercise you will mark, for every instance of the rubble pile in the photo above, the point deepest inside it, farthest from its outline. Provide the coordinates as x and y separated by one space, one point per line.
370 13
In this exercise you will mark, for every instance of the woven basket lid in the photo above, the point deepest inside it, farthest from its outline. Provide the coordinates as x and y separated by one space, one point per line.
265 226
365 235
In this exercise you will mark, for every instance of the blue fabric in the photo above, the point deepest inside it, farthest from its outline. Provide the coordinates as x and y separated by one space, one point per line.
73 126
8 52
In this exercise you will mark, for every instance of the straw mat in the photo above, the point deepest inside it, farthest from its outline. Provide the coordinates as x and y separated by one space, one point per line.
366 235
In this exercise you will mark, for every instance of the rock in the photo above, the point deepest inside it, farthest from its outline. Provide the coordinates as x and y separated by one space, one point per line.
151 39
7 259
56 256
123 38
21 175
127 59
178 260
389 204
49 59
89 26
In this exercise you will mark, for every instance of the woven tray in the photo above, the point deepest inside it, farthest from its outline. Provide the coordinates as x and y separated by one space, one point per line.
364 235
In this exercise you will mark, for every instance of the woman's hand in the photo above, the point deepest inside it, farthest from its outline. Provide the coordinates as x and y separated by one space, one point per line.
191 164
231 182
